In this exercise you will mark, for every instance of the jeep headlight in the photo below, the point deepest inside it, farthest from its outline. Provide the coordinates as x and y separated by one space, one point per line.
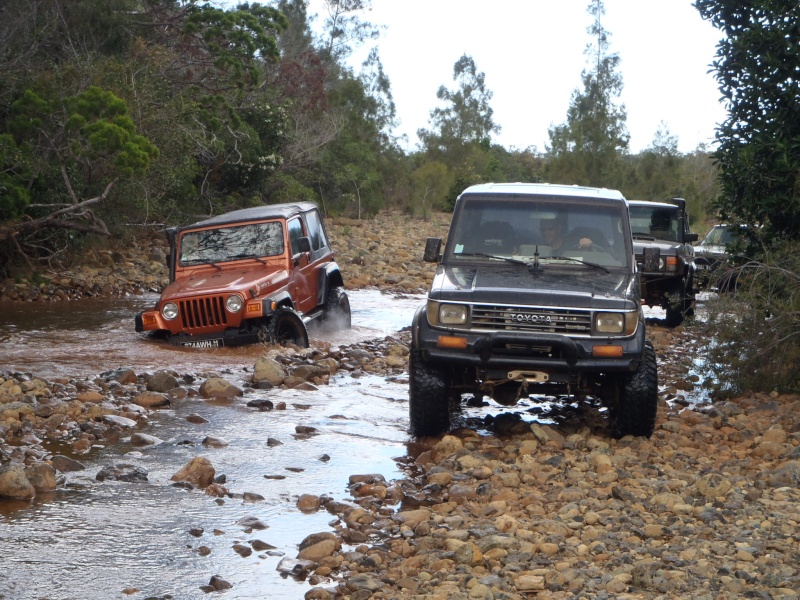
616 323
169 311
448 315
234 303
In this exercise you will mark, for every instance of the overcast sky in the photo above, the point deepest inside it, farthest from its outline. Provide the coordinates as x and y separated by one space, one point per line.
532 53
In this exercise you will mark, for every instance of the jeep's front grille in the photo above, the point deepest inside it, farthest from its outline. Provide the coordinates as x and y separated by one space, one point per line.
526 318
199 313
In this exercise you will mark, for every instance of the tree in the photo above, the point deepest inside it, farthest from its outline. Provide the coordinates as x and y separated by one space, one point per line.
466 116
586 149
757 67
88 141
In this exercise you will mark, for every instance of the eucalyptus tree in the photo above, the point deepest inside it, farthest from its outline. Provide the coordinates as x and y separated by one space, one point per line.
587 148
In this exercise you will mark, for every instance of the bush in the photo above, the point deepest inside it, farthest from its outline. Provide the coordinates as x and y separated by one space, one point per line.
755 328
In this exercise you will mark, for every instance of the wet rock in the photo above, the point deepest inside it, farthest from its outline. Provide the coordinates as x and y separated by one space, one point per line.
217 387
308 503
218 584
41 476
124 375
118 421
268 370
196 419
296 568
260 546
161 381
251 522
143 439
122 472
64 464
14 483
214 442
151 400
197 471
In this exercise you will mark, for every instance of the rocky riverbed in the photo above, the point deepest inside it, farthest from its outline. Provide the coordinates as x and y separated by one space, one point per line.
706 508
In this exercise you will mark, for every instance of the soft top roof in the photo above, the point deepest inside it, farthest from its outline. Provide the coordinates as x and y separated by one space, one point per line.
256 213
543 189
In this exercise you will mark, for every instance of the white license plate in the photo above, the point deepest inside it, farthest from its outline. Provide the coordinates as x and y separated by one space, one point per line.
203 344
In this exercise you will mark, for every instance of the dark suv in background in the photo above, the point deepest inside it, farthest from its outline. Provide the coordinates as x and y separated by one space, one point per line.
665 256
536 294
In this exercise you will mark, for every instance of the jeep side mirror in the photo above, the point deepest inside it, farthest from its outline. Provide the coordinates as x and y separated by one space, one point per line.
303 244
433 247
652 256
690 237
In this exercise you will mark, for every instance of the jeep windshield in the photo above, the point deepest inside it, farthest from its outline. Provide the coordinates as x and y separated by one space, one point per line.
235 242
546 232
652 223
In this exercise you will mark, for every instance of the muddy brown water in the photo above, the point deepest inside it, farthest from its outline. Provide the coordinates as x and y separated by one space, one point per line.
94 539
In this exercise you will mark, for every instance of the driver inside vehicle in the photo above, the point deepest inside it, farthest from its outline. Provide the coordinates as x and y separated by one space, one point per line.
554 235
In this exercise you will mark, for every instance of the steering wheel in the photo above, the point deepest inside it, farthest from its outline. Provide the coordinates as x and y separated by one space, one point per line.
591 247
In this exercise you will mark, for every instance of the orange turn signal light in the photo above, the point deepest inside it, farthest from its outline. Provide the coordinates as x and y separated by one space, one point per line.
451 341
607 351
254 308
148 319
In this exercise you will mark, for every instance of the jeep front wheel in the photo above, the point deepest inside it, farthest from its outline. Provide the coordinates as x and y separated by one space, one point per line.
428 397
636 410
337 310
287 327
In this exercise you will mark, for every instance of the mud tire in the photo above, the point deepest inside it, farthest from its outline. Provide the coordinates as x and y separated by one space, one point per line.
337 310
286 327
637 408
429 397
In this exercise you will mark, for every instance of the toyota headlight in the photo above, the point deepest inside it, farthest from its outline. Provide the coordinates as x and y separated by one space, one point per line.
169 311
447 315
609 323
234 303
616 323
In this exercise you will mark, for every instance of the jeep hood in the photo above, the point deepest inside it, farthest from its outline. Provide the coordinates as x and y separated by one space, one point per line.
204 282
552 285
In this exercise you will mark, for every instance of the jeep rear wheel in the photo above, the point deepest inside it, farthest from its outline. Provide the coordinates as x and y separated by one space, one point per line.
637 407
428 397
337 310
286 327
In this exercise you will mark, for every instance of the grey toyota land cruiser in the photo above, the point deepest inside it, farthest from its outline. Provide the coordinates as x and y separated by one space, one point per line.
536 294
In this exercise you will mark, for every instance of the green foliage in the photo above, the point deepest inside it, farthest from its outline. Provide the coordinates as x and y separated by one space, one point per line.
587 148
431 182
757 67
100 127
755 331
466 116
14 196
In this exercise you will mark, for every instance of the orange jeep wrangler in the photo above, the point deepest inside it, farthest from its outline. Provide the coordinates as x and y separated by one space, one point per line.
253 275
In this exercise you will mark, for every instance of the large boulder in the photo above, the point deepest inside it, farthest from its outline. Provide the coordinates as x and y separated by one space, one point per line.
14 483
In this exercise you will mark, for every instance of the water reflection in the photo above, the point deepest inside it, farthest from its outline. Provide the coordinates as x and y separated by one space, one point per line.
95 539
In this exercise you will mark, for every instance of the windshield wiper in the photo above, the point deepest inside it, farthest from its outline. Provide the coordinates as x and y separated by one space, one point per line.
514 261
250 256
640 236
578 260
